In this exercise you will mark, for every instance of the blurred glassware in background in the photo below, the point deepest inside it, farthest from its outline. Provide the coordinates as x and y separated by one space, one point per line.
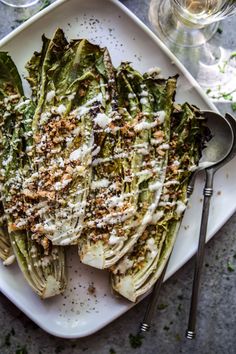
188 22
190 29
19 3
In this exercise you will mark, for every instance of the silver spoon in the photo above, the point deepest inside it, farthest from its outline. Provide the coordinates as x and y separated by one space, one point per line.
208 190
209 155
216 151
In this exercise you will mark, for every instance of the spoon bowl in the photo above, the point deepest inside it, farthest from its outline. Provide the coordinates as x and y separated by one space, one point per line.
221 142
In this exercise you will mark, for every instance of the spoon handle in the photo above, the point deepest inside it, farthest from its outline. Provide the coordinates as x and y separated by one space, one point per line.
191 332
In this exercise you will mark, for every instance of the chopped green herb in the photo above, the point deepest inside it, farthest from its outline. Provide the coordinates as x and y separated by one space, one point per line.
45 3
233 55
233 106
230 267
180 297
112 351
223 66
22 350
179 308
227 96
135 341
166 328
208 91
162 306
219 30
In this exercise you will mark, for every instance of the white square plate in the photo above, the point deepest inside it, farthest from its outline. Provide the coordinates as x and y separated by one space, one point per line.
78 313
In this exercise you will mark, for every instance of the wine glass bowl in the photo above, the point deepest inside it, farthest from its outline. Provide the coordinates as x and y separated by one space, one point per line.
197 13
19 3
188 22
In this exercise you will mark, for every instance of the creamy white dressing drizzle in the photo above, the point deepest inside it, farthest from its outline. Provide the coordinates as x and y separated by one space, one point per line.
118 201
180 207
80 153
155 186
9 260
50 95
161 115
102 183
81 110
144 125
102 120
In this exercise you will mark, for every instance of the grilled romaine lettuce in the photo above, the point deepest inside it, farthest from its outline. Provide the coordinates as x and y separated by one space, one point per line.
129 164
139 269
43 267
64 140
10 93
42 264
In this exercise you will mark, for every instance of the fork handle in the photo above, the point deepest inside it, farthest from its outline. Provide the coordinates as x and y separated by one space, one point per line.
191 183
191 331
152 304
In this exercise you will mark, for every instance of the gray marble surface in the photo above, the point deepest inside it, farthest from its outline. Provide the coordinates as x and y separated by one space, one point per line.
217 307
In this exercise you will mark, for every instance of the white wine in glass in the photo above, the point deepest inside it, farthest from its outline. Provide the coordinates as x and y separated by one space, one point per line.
189 22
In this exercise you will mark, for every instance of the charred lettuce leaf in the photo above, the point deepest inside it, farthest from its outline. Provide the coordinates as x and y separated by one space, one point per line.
63 142
44 271
121 201
10 93
138 271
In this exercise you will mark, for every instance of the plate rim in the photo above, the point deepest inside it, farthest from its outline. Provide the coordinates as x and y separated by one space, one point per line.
196 87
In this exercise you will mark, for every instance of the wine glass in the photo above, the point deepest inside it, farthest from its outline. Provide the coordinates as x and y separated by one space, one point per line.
188 23
19 3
